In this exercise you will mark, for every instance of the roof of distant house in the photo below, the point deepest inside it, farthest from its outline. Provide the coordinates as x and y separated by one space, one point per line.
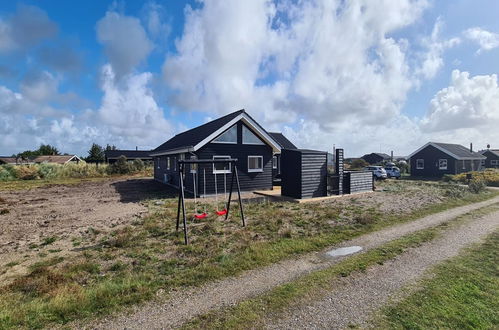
56 159
494 151
129 154
8 160
282 140
199 136
380 154
456 151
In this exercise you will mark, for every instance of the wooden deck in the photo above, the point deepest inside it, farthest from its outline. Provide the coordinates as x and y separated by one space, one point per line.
275 194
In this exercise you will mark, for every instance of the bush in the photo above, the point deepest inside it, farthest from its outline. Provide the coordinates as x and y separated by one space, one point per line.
48 171
477 185
490 176
120 167
26 172
6 174
138 165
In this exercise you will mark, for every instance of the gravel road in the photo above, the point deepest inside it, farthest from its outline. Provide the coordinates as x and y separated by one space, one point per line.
356 297
173 309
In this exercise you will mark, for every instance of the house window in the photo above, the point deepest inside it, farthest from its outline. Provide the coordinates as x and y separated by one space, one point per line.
157 162
420 164
255 163
168 163
482 162
494 162
221 168
229 136
442 164
249 137
274 162
464 164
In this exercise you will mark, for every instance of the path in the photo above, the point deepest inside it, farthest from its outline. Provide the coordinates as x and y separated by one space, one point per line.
185 304
356 297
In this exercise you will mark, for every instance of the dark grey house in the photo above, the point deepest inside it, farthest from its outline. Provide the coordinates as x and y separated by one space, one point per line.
492 158
236 135
113 155
376 158
284 143
436 159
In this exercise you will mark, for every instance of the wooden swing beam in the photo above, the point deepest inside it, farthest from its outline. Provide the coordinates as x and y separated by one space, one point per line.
181 195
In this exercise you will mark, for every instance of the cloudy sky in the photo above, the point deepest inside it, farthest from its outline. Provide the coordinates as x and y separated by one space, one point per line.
364 75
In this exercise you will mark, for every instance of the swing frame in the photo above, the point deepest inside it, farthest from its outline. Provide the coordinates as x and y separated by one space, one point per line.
181 195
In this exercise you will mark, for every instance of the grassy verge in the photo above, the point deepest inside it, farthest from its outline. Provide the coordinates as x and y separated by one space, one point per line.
32 184
463 294
130 264
253 312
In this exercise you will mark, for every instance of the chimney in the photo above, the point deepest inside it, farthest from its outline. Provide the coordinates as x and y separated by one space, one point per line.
136 148
471 147
391 156
488 146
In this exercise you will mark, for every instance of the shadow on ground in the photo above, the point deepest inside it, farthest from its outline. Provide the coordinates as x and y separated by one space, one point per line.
137 190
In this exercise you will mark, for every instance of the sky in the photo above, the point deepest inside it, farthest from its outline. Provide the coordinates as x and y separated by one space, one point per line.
363 75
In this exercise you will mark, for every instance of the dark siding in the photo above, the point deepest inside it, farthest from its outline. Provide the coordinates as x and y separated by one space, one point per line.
431 155
358 182
304 173
491 156
373 159
276 171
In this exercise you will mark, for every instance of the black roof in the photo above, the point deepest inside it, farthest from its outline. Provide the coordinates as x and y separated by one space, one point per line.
282 140
459 150
193 136
380 154
130 154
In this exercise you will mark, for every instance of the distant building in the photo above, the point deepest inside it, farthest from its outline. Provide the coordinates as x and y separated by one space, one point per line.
8 160
56 159
376 158
436 159
492 160
113 155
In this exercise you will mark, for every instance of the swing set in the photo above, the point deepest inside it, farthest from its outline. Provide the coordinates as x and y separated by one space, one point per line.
218 212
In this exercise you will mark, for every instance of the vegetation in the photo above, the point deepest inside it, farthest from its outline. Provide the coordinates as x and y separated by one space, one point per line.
71 170
490 176
130 264
44 149
251 313
95 154
462 294
358 164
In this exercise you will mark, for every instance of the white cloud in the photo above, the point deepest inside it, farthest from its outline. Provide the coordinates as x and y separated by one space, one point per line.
485 39
154 16
125 41
432 60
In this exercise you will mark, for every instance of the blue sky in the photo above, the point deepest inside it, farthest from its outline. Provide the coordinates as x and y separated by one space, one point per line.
363 75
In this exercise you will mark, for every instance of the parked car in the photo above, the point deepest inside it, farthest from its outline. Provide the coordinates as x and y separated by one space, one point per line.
393 172
378 172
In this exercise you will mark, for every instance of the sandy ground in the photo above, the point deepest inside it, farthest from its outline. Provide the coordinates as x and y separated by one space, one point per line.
180 306
66 213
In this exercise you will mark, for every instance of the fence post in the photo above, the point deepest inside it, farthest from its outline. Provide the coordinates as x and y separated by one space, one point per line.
339 168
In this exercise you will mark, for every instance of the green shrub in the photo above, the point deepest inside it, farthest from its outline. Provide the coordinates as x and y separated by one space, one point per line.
48 171
477 185
138 165
26 172
6 174
121 166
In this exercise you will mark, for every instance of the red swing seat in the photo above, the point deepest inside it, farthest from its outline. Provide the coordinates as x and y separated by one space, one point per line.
201 216
223 212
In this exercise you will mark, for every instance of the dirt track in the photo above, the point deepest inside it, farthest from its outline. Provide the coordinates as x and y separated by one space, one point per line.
66 213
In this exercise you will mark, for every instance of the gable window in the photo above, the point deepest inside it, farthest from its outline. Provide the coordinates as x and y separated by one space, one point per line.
420 164
229 136
442 164
249 137
255 163
221 168
274 162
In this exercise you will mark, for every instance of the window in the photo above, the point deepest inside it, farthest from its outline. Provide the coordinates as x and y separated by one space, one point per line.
442 164
249 137
168 163
464 164
494 162
274 162
483 162
229 136
255 163
419 164
221 168
157 162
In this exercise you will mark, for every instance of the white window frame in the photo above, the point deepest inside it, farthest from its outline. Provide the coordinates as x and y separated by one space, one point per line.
464 164
255 170
157 162
261 143
274 162
440 162
417 164
168 164
215 171
226 142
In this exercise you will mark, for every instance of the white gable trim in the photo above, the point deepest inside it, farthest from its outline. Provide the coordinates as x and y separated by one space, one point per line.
444 151
172 152
250 123
70 159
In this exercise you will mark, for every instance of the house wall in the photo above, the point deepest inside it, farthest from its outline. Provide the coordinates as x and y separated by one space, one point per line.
248 181
491 157
431 156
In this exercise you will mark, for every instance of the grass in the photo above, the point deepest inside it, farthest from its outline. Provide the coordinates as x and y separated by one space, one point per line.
135 261
252 313
462 294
